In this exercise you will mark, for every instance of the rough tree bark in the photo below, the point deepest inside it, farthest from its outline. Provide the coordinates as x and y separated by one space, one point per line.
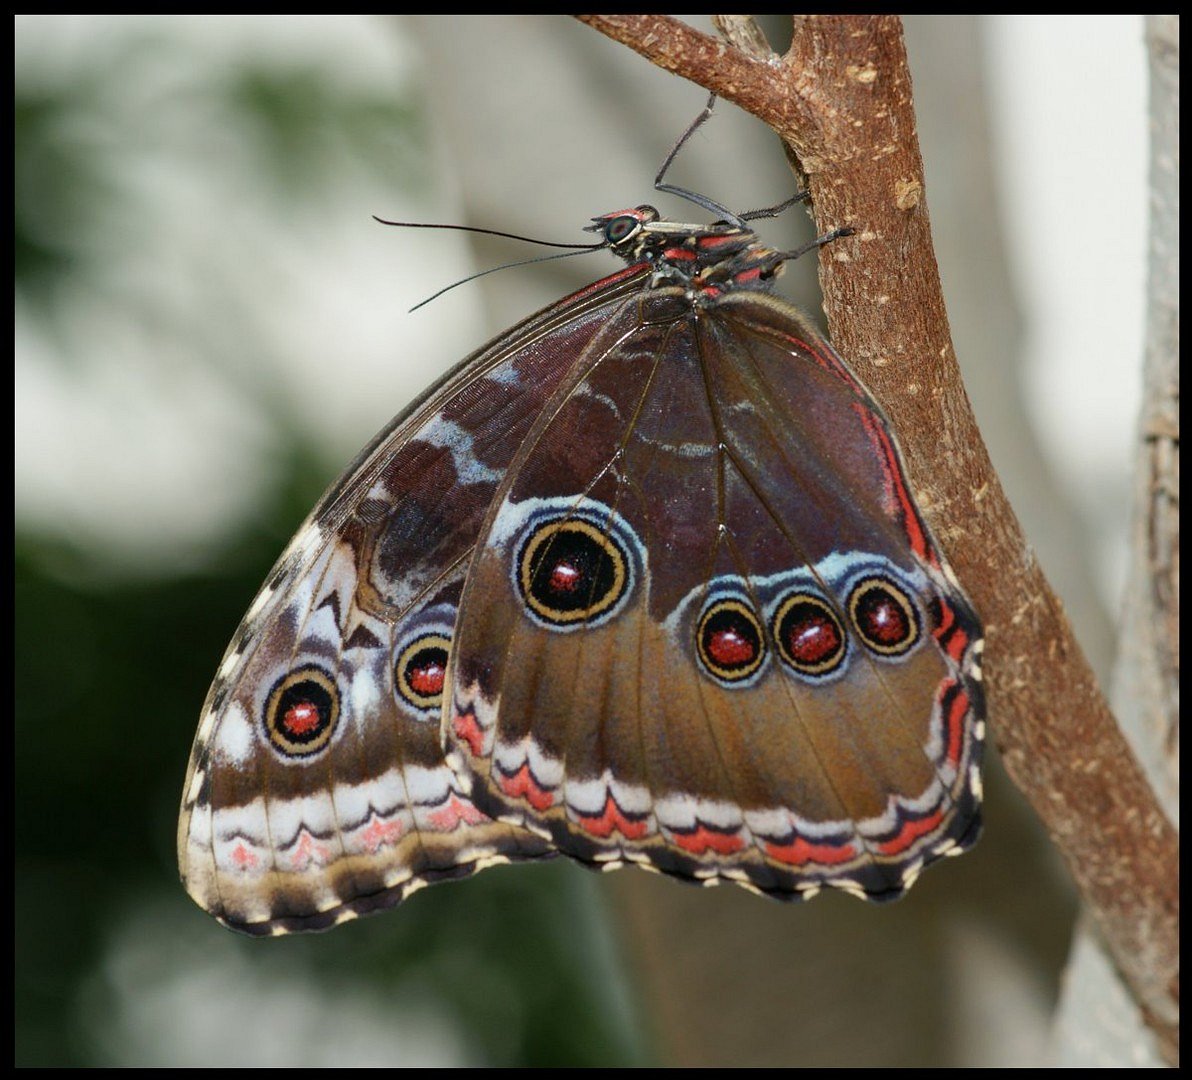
841 101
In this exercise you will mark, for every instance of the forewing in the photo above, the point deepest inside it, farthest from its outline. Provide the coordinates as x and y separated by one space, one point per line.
316 789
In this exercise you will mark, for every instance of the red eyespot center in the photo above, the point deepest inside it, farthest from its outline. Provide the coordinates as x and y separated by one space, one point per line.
885 620
728 647
301 718
812 637
427 678
565 577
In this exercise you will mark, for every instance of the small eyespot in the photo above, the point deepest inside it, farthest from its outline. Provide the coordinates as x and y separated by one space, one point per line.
301 712
571 571
808 634
729 641
420 671
885 618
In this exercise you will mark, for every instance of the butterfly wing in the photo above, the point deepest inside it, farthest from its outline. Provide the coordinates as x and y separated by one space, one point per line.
706 629
316 789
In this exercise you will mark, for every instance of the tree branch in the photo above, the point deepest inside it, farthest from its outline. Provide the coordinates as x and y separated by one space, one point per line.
841 101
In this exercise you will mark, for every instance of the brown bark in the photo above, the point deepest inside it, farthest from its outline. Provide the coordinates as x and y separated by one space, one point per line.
841 101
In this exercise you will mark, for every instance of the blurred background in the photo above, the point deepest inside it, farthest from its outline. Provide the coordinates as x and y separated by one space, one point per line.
209 325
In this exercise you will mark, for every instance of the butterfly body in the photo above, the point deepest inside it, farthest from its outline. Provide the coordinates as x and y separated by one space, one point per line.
641 581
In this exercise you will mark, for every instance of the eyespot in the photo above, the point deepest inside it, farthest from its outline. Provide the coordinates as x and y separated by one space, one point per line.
885 618
729 641
420 670
301 712
572 571
808 634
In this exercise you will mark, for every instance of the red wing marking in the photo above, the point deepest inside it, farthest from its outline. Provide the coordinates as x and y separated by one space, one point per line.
244 858
610 818
956 710
799 851
522 785
309 850
829 361
899 499
910 832
952 637
447 818
605 283
378 834
702 839
947 621
469 731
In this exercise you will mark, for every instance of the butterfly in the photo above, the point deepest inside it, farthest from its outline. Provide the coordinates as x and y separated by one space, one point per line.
640 581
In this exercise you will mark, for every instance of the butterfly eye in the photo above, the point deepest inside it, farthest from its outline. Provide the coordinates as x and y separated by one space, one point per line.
420 671
621 228
301 712
808 634
729 641
884 616
571 572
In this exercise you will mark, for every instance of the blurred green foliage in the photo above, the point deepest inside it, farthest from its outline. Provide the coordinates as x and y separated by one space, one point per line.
111 672
80 128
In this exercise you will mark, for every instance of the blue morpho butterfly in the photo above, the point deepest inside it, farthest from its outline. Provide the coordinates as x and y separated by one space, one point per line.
641 580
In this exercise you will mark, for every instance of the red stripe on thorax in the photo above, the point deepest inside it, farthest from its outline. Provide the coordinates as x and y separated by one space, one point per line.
705 242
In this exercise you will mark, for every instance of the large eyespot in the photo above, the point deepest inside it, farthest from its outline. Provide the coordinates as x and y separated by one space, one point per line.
301 712
886 619
573 572
420 670
729 641
808 634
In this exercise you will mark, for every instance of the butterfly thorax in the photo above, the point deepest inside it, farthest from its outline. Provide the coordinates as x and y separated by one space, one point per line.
706 259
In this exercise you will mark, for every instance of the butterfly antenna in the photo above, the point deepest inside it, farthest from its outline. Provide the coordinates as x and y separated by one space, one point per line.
694 196
507 266
576 249
485 232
